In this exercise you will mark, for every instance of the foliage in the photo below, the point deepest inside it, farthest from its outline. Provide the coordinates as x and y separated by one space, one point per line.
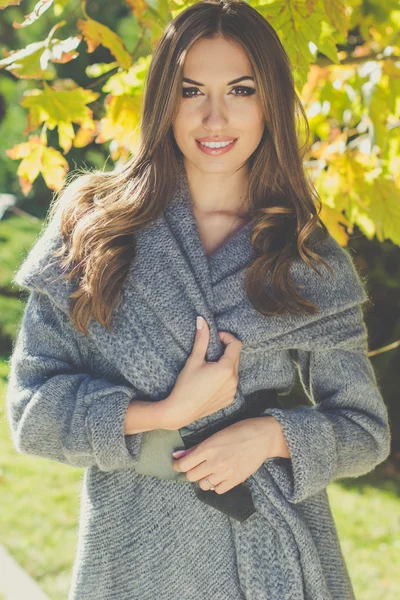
346 61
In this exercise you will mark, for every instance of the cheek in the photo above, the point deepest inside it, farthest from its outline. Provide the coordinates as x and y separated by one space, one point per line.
250 116
185 121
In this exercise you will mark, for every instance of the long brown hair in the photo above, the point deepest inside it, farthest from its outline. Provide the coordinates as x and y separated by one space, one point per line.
102 210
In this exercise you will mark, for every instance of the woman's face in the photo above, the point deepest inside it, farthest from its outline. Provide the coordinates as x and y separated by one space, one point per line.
213 107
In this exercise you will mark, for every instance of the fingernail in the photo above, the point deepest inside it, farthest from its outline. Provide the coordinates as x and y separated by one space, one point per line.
199 322
178 453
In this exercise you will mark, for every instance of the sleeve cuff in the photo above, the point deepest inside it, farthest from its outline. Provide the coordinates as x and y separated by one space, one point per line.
311 441
105 424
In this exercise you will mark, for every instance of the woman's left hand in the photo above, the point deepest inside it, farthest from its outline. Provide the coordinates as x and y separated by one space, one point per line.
231 455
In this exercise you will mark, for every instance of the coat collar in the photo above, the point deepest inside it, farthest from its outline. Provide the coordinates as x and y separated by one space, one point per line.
172 280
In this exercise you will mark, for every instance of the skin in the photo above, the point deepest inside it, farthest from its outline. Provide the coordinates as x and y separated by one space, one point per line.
218 187
218 184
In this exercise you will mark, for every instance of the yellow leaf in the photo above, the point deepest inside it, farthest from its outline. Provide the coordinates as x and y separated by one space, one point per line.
38 158
66 134
141 12
385 209
54 168
59 109
121 121
84 136
5 3
131 81
96 33
335 220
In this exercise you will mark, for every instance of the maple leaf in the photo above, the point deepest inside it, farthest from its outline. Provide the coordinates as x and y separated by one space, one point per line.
59 108
37 158
34 61
335 222
121 121
96 33
385 209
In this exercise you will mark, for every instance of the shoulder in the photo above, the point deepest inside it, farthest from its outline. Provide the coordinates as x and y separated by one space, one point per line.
40 270
335 289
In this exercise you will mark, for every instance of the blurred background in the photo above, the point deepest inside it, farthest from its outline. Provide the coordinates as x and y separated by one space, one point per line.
71 84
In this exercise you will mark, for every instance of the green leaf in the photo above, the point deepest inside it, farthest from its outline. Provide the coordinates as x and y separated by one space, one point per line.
59 108
336 11
129 82
298 24
385 209
37 12
96 33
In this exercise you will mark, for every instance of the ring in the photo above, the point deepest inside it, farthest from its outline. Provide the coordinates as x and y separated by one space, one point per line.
210 484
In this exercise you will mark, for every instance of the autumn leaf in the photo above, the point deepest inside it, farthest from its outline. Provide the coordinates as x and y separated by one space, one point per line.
336 11
141 11
35 60
5 3
121 121
59 109
335 221
385 209
85 135
38 158
129 82
96 33
297 25
37 12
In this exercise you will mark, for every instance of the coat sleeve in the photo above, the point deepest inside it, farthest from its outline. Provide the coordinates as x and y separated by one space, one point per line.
345 432
55 407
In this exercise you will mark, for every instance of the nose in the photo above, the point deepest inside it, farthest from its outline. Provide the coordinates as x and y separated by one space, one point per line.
215 114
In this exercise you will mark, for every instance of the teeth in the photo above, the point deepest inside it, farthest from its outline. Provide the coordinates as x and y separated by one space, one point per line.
216 144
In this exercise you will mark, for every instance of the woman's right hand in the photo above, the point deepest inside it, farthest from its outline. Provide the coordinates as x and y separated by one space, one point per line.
202 387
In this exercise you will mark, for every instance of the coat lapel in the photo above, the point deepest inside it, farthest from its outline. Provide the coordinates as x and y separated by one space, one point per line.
172 280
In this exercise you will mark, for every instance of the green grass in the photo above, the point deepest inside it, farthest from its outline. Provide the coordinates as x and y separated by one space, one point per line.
40 504
367 514
38 518
17 236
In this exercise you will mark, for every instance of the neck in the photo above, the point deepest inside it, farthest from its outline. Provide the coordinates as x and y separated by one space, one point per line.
218 193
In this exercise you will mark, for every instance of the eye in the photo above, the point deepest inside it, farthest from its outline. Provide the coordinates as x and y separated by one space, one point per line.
247 91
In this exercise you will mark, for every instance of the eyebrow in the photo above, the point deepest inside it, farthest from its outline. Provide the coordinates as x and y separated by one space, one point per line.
187 80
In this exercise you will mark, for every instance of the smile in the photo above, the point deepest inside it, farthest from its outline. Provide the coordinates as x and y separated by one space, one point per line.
215 148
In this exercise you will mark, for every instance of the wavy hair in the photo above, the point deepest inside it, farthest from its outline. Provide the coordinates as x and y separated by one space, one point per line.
102 210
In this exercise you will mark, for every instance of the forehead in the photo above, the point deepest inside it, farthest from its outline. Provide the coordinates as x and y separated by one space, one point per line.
210 59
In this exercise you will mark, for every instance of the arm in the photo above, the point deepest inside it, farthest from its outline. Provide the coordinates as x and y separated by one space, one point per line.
345 433
58 410
144 416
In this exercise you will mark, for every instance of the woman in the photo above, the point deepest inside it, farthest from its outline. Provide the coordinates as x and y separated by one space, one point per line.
107 353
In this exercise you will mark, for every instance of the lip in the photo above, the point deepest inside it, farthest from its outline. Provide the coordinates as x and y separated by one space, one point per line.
216 151
216 139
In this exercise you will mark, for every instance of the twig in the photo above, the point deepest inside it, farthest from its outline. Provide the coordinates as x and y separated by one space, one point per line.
384 348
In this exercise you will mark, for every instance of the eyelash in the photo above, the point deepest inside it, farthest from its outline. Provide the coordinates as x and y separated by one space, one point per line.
250 91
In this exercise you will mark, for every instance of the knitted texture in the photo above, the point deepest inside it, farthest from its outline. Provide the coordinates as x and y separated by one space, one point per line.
141 537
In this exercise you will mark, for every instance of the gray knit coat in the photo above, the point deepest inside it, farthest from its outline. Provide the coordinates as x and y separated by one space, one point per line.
144 538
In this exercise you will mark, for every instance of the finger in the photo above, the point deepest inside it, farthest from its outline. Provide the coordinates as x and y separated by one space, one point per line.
213 479
201 341
187 461
233 346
